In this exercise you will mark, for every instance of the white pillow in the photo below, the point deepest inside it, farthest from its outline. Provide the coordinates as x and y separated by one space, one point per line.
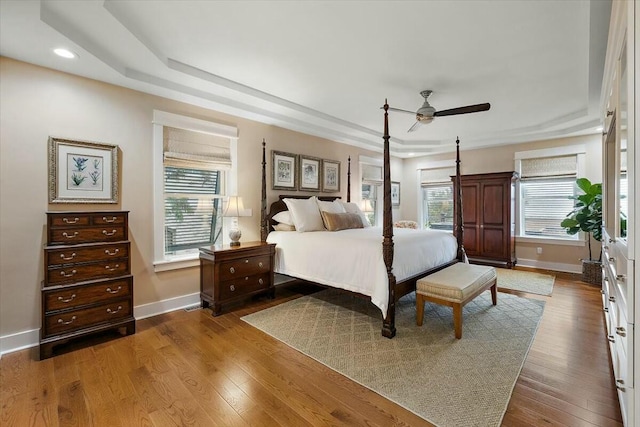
283 217
305 214
331 207
350 207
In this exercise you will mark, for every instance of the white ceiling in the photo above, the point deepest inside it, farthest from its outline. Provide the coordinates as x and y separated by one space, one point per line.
326 67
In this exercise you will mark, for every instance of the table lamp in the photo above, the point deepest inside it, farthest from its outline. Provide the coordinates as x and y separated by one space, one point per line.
235 209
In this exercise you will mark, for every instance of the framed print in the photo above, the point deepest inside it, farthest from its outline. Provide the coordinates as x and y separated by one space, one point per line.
395 193
309 174
82 172
330 176
284 170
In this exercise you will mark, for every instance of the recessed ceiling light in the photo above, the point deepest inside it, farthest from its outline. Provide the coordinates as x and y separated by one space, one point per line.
65 53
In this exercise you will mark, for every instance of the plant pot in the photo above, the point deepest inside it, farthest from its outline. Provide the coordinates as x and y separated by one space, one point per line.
592 272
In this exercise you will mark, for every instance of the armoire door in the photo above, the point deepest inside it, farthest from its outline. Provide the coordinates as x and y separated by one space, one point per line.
493 227
471 205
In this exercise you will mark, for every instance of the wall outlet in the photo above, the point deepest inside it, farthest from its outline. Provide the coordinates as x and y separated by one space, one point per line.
539 250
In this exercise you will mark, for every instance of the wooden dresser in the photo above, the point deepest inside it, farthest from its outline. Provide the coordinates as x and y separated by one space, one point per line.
88 286
232 273
488 212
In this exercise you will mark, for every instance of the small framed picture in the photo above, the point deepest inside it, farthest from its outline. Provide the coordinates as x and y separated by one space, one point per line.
330 176
82 172
395 193
309 173
284 170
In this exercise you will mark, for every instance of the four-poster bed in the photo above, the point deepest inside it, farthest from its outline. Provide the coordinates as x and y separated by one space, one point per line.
445 253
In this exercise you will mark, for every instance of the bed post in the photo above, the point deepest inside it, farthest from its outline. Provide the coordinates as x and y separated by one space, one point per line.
264 230
457 200
349 179
389 323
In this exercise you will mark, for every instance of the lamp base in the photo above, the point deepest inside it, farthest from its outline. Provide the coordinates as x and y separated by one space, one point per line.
235 235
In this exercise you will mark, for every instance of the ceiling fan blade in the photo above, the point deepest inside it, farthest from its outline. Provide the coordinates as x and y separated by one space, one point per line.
400 110
463 110
415 126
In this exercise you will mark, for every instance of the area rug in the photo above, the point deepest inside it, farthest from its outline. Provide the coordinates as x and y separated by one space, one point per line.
448 382
525 281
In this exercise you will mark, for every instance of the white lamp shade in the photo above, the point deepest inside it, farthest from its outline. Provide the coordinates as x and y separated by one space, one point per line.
366 206
235 207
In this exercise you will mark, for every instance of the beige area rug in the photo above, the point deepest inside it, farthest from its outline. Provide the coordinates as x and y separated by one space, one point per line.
525 281
449 382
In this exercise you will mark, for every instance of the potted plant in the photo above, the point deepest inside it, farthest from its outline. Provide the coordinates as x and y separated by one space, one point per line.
587 216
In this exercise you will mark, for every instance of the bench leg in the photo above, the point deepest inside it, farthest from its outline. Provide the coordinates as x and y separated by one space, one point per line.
457 319
419 309
494 293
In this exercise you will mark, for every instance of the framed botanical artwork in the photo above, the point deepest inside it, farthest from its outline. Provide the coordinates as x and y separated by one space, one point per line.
330 176
395 193
284 170
309 173
82 172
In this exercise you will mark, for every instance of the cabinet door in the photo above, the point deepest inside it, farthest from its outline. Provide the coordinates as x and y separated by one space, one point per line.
494 227
471 217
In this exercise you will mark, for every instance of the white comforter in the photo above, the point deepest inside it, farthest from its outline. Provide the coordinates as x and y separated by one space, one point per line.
352 259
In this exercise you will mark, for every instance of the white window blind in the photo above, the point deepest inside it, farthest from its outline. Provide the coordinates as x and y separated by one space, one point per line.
371 173
437 197
437 175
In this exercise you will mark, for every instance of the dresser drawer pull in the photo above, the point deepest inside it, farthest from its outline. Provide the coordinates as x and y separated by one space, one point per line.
114 311
63 274
113 219
106 233
75 233
232 270
232 288
71 298
111 291
62 322
612 299
115 267
260 264
621 331
246 261
246 278
261 281
106 251
70 221
69 258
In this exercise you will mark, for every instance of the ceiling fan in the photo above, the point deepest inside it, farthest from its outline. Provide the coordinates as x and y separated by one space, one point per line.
427 113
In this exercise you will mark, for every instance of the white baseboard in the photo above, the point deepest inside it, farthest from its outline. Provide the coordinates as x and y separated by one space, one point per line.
31 338
554 266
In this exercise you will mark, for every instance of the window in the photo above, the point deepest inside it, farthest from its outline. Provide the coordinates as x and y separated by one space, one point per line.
547 182
193 172
437 198
371 186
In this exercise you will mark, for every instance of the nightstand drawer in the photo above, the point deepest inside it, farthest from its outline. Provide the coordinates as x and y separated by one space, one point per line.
83 272
76 296
242 267
73 235
244 285
72 320
80 254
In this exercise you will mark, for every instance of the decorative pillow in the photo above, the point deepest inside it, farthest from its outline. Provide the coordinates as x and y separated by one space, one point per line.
333 207
405 224
341 221
283 217
350 207
284 227
305 214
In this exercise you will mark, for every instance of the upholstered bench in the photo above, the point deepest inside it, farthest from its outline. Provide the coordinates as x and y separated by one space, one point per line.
455 286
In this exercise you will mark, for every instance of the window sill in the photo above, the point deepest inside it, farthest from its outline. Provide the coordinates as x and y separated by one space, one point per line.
191 260
550 241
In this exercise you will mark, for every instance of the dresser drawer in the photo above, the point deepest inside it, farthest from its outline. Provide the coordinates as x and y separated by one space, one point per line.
86 253
244 285
69 219
83 272
72 320
242 267
76 296
73 235
108 218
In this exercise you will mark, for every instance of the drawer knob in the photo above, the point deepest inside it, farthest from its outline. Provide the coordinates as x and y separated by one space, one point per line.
63 274
612 299
71 298
260 264
107 233
232 270
115 251
70 236
232 288
261 281
115 267
114 311
68 258
111 291
621 331
62 322
70 221
246 261
105 219
246 278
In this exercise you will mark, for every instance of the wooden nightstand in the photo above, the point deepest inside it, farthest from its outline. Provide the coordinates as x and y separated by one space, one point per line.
229 274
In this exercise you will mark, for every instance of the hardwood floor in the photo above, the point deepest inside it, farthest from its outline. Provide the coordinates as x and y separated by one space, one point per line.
189 368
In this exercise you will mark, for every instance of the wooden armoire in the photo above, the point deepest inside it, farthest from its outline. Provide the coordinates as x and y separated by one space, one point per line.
488 217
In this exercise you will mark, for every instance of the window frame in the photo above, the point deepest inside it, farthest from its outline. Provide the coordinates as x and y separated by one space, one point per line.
162 262
437 164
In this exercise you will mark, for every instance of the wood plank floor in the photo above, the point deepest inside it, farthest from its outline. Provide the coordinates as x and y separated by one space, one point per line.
191 369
